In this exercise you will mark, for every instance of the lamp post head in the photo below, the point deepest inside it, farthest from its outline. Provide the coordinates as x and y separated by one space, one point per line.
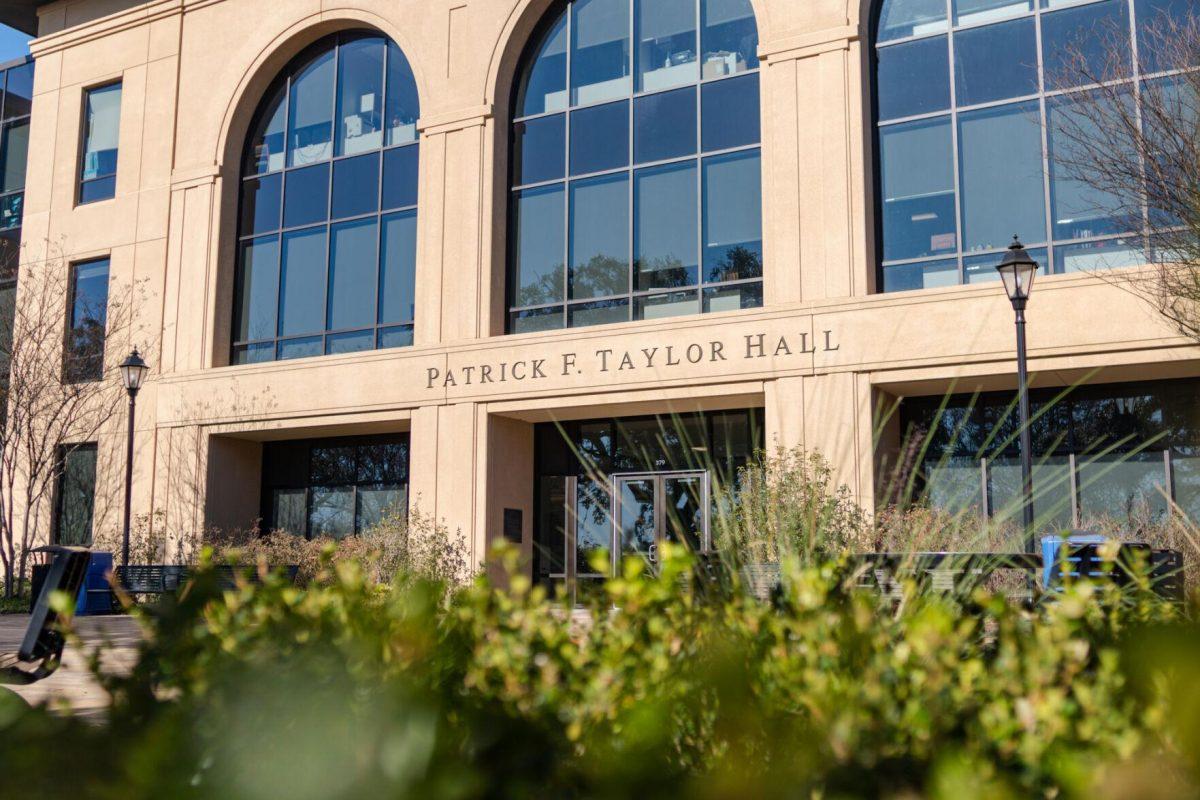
1017 271
133 372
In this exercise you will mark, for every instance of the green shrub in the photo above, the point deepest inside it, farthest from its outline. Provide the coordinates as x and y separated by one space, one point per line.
344 690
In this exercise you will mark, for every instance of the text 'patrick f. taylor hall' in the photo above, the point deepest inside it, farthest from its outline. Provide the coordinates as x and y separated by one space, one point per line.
536 267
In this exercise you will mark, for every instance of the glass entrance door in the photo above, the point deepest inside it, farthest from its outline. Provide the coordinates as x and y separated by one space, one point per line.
654 507
629 514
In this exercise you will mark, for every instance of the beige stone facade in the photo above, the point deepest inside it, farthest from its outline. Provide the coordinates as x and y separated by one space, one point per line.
193 72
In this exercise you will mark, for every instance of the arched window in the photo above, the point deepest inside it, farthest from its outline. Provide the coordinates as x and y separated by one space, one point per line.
328 219
635 179
969 95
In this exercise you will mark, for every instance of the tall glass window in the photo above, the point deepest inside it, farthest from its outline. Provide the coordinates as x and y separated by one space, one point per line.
327 239
16 100
968 96
334 487
635 170
75 495
84 356
101 134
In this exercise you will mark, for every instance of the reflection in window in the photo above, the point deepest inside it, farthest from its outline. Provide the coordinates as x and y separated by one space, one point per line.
334 487
1102 454
101 129
969 94
327 226
646 150
83 359
16 94
75 495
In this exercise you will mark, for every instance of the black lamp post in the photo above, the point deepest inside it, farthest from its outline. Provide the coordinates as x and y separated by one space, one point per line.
1017 271
133 372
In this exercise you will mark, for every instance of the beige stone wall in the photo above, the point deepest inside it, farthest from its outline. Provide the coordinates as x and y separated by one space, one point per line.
822 355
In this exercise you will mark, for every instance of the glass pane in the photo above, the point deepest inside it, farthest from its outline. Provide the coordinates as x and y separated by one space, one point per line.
918 189
10 250
288 511
102 123
543 86
539 149
913 78
665 240
400 176
982 268
599 237
254 353
401 336
334 464
403 105
260 204
996 62
1051 492
538 245
99 189
310 111
685 511
672 304
353 342
360 96
1185 472
955 486
257 290
306 196
355 186
728 37
18 97
300 348
977 12
399 266
899 19
593 524
664 125
352 277
264 145
1002 190
382 463
1128 489
600 138
730 114
733 298
637 517
14 150
302 301
332 512
602 313
374 504
1077 44
1092 256
89 315
599 51
666 37
1079 209
1159 25
920 275
10 216
540 319
77 493
732 196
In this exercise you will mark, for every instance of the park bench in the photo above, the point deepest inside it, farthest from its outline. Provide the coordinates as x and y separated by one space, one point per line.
158 579
42 647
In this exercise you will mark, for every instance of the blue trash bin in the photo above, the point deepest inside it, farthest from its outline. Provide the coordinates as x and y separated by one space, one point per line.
96 595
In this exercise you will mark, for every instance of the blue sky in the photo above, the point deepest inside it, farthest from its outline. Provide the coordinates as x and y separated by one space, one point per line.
12 44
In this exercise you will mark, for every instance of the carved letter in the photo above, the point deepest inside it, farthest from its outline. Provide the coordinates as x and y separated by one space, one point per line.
718 353
485 373
517 377
697 350
434 373
672 361
649 354
752 345
604 354
568 362
804 348
537 367
828 348
782 347
468 371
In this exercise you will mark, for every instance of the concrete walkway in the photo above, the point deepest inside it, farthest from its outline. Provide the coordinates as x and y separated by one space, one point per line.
73 686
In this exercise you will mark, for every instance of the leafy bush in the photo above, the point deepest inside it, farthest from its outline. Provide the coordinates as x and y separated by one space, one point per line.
342 690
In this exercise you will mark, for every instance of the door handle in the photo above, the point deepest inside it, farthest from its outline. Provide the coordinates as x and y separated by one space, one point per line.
652 553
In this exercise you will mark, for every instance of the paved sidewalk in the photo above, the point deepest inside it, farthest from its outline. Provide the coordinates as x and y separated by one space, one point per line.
73 682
